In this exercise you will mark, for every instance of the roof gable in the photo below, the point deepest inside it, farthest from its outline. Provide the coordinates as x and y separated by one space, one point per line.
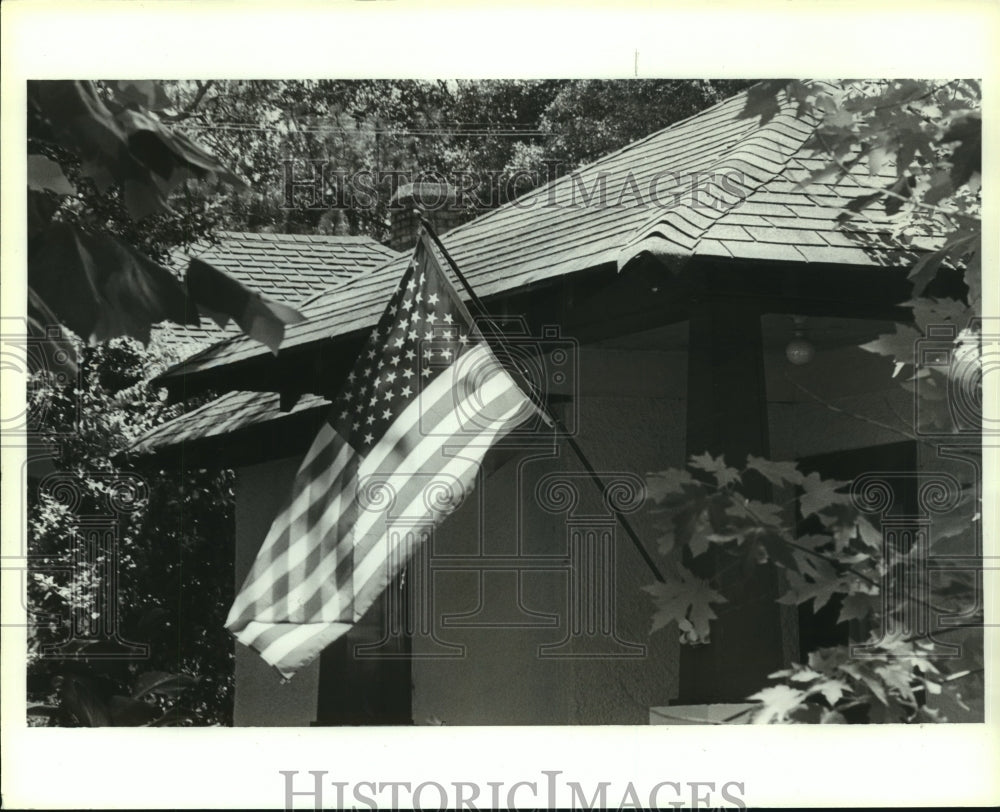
289 268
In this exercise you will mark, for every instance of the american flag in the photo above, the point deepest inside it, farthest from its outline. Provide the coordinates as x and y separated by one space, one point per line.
399 449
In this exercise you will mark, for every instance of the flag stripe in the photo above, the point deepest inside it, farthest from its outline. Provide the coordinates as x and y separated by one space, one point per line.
283 552
320 477
441 394
373 574
380 457
426 460
368 565
303 550
276 640
376 480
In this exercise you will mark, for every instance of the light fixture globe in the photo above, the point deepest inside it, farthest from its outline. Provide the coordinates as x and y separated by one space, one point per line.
799 351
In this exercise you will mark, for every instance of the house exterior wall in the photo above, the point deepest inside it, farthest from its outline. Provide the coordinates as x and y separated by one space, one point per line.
261 697
510 675
491 653
627 397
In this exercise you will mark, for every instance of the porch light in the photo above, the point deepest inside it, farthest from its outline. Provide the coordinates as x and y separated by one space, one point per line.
799 351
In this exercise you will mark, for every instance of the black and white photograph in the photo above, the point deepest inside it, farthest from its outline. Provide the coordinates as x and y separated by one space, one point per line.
637 406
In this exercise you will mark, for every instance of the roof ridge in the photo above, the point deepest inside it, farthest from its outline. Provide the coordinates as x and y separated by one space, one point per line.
674 125
632 145
661 236
204 244
275 235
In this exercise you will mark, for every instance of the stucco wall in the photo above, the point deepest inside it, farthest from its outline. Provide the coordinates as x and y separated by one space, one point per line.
261 696
630 421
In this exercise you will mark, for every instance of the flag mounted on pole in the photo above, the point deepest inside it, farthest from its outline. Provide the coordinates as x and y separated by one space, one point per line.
399 449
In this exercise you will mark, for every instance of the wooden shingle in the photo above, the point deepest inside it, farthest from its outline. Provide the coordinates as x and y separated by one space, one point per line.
288 268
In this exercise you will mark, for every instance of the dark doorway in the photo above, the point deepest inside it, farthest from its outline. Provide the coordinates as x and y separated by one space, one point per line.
365 675
820 629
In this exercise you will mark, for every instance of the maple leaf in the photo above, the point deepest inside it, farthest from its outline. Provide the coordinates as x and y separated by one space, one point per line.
779 551
688 518
762 100
44 173
925 269
660 484
777 702
967 158
822 583
898 676
958 526
941 186
842 523
899 346
716 466
805 565
665 542
763 513
869 534
856 606
700 533
686 598
831 689
777 473
100 287
863 674
821 493
928 311
147 93
958 245
827 660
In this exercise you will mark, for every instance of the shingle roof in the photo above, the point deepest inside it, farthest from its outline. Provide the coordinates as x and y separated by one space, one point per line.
224 415
761 212
551 232
289 268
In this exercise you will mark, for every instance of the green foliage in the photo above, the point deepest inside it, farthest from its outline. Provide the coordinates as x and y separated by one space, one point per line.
109 195
895 682
847 559
84 701
530 131
916 144
175 577
589 118
383 127
927 136
913 148
685 600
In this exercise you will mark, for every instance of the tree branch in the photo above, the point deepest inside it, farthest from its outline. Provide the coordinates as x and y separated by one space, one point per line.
913 99
846 170
190 110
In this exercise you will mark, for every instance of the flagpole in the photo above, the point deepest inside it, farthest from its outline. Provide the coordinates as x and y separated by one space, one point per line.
543 407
